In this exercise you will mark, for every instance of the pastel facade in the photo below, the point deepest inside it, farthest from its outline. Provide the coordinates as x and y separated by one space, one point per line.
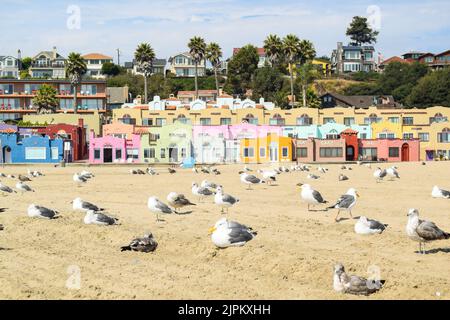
110 149
320 150
269 149
33 149
391 150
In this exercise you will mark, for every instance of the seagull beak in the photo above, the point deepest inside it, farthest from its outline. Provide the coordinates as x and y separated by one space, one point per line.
211 230
357 194
299 184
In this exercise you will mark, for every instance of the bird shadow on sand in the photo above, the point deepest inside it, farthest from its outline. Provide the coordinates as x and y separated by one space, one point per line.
318 210
435 251
273 185
184 213
5 249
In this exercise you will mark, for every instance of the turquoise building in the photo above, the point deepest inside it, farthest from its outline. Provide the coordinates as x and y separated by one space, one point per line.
330 130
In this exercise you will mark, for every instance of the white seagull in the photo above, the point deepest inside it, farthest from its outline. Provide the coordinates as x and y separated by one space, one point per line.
440 193
379 174
224 200
79 179
368 226
423 231
209 185
310 196
35 211
80 205
230 234
344 283
98 218
177 201
22 187
346 202
269 175
5 189
392 173
250 179
145 244
158 207
200 192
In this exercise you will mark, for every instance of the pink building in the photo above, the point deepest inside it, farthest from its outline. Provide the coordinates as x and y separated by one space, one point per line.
319 150
111 149
391 150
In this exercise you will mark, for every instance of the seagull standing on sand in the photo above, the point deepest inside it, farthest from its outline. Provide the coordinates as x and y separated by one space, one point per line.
177 201
379 174
5 189
98 218
311 196
35 211
80 205
224 200
250 179
230 234
269 176
145 244
22 187
171 171
423 231
346 202
392 173
158 207
343 177
440 193
200 192
368 226
312 177
344 283
209 185
79 179
24 178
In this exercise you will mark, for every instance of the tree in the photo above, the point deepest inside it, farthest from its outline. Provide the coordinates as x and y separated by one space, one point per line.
46 100
306 74
360 32
75 69
431 90
26 63
197 49
268 81
214 54
110 69
241 70
273 47
144 56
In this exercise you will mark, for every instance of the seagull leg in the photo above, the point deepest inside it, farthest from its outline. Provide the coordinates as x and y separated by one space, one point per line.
351 216
308 207
339 211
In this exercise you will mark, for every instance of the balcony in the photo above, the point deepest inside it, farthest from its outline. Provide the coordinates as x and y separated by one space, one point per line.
46 65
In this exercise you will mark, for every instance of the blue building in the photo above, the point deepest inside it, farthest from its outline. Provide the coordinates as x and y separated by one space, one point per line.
34 149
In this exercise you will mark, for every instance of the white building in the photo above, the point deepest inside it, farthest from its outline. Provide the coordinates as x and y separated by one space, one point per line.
94 63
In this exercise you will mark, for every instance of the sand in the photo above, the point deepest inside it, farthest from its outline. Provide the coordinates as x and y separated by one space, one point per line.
291 258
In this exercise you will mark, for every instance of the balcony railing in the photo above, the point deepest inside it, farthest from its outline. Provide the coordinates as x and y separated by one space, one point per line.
47 65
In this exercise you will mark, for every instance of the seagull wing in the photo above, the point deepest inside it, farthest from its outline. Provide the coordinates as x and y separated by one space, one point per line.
91 206
316 195
429 231
252 179
229 199
103 218
163 207
45 212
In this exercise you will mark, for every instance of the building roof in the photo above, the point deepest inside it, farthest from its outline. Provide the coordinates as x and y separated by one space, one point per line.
96 56
363 101
261 51
394 59
443 53
187 93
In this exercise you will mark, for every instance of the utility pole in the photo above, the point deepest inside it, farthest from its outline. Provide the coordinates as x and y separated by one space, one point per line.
118 57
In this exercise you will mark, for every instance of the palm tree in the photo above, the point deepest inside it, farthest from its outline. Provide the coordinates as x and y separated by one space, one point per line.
273 46
307 73
307 53
213 54
291 51
144 56
75 69
197 49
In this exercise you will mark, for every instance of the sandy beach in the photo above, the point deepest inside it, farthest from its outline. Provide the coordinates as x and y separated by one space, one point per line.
292 256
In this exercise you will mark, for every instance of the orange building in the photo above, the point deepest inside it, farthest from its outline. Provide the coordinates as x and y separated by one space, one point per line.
271 148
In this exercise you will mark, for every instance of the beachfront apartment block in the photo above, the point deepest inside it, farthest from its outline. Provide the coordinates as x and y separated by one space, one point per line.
94 63
182 65
352 58
433 61
48 65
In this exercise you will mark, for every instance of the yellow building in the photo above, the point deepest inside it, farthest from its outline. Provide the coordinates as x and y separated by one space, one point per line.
269 149
324 65
387 130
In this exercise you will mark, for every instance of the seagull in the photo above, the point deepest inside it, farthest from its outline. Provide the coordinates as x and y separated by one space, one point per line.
152 172
423 231
392 173
81 205
2 175
158 207
1 227
23 187
35 211
321 169
379 174
250 179
440 193
205 170
11 176
194 170
35 173
6 189
216 172
312 177
176 201
343 167
343 177
171 171
247 169
311 196
137 171
200 192
344 283
145 244
346 202
368 226
79 179
230 234
224 200
284 169
87 174
24 178
269 176
98 218
209 185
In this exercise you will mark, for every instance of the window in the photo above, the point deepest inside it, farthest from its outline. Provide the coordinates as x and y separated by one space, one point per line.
147 122
118 154
349 121
394 119
97 154
369 153
328 120
408 120
386 135
352 67
302 152
438 118
352 54
35 153
55 153
262 152
250 119
225 121
88 89
92 104
408 136
363 135
285 152
333 135
181 119
424 136
160 122
163 153
149 153
205 121
127 119
443 137
394 152
183 152
373 118
304 120
330 152
133 153
249 152
277 120
65 104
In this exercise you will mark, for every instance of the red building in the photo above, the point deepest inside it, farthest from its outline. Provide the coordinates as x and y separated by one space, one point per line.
351 144
391 150
75 145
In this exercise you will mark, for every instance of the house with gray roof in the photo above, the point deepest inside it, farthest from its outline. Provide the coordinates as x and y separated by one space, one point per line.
351 58
9 67
332 100
48 65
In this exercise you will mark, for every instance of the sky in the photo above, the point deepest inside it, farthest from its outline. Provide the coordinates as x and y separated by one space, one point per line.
102 26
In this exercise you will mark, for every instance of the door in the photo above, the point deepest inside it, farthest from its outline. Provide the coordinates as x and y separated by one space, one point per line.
173 154
7 154
107 155
350 153
405 152
273 153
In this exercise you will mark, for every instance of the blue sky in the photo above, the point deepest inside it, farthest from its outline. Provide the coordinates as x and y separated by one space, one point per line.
35 25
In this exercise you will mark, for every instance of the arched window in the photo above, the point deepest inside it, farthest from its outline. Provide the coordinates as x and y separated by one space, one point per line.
444 136
373 118
277 120
249 118
304 120
181 119
127 119
333 135
438 117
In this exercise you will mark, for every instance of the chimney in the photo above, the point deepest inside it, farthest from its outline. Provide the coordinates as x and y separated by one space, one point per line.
19 59
54 52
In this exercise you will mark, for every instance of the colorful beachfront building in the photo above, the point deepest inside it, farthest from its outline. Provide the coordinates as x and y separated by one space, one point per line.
33 149
268 149
171 143
110 149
